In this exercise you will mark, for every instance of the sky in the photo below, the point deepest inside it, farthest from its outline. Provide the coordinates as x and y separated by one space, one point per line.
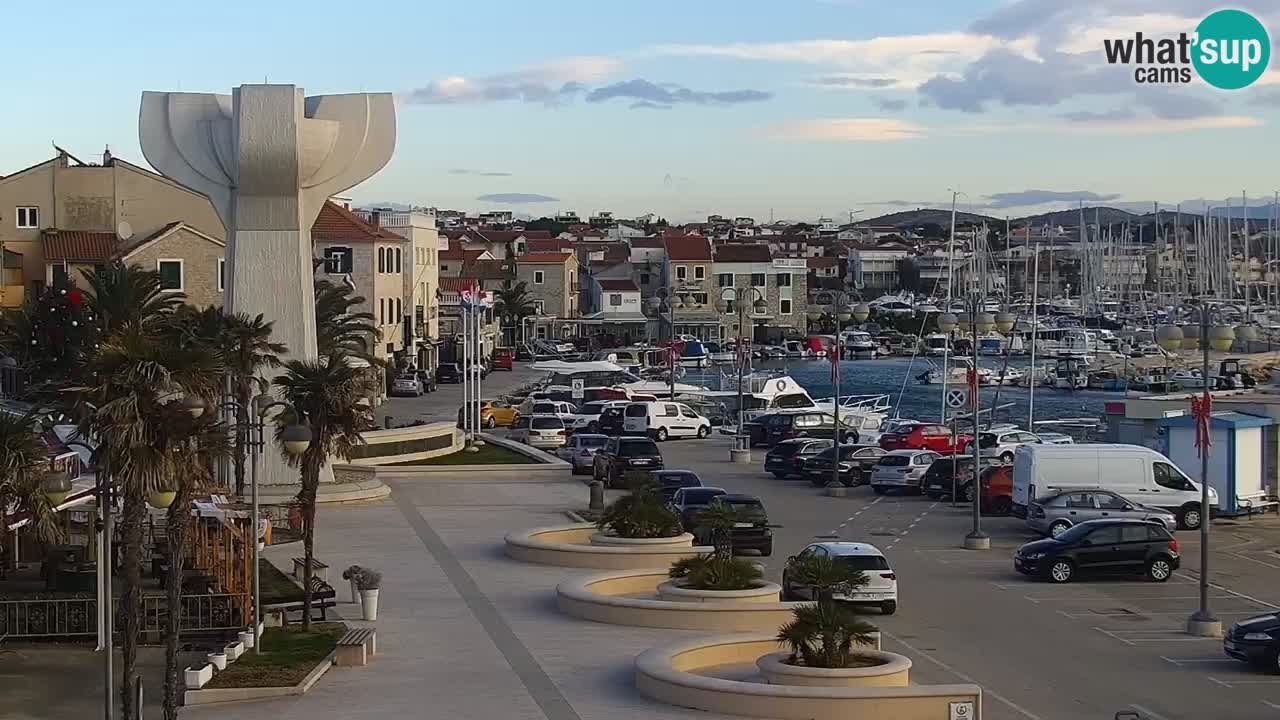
791 109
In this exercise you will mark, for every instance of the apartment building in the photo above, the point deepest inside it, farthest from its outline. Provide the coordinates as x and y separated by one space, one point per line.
687 271
552 282
876 271
420 277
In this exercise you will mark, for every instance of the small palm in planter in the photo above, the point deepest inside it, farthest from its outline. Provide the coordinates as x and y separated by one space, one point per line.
824 633
720 570
640 514
369 581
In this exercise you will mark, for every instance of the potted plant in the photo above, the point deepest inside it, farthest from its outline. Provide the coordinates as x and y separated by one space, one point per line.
824 634
350 575
719 571
640 514
368 582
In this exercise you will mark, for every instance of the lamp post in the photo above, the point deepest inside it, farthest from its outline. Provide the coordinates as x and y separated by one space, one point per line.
666 300
105 527
979 321
741 452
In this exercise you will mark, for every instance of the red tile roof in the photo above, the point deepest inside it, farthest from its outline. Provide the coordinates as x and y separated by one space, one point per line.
618 285
79 245
485 269
743 253
506 236
548 245
465 256
545 258
457 284
648 242
688 247
338 224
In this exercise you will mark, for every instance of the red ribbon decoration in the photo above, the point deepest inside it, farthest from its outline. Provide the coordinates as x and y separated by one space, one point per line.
1202 411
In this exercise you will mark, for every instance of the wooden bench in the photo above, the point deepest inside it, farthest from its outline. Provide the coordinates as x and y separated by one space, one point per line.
356 647
318 569
323 597
1261 505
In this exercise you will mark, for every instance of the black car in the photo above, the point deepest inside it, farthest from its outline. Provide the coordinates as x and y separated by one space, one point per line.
786 459
624 456
856 462
449 373
1255 641
772 429
669 481
610 421
1127 546
688 502
752 533
938 479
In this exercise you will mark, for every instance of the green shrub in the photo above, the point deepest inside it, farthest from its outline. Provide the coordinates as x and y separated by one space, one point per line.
642 513
716 572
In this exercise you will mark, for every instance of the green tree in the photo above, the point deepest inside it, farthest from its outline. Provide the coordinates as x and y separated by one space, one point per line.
23 462
120 294
325 396
822 634
341 328
247 349
513 303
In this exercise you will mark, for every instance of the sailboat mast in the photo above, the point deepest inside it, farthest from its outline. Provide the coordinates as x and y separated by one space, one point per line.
1248 265
1035 332
1084 266
951 277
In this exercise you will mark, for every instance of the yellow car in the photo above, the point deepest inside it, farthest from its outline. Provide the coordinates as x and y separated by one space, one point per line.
494 413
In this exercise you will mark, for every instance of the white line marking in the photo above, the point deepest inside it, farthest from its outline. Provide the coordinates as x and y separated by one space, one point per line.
1270 704
844 523
1078 615
1229 590
1148 712
1028 597
1223 684
1146 630
1112 635
1190 661
1229 683
985 688
943 561
1254 560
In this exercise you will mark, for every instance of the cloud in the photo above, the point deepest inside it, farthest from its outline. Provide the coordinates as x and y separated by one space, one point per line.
863 129
646 105
517 198
908 203
547 84
1041 197
1265 98
854 81
1122 122
479 173
890 104
643 91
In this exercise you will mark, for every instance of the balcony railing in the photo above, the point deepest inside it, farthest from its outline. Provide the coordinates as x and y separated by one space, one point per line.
78 616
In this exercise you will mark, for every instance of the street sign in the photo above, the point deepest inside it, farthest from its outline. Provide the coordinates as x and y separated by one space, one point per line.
957 399
962 710
578 388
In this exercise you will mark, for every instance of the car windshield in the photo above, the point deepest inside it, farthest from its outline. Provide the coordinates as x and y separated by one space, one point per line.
1075 533
894 460
863 562
701 497
678 480
637 448
547 423
548 408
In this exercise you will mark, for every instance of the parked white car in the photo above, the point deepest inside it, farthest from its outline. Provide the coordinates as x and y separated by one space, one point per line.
901 470
1001 444
881 589
588 416
663 419
540 431
561 409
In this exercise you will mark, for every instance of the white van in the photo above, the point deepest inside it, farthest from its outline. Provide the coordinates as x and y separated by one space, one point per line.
1138 473
661 420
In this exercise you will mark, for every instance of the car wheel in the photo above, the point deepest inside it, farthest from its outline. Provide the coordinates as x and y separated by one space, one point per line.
1061 571
491 422
787 593
661 434
879 490
1058 527
967 493
703 431
1159 569
1189 518
1274 665
888 607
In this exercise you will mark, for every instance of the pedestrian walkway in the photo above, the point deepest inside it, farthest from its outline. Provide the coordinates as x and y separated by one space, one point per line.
464 632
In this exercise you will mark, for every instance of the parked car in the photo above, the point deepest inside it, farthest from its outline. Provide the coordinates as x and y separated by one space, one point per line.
881 589
773 428
1057 512
580 451
856 462
751 533
888 426
670 481
688 502
588 415
1255 641
1055 438
611 420
406 386
946 473
787 458
1133 546
662 420
901 470
494 413
624 455
566 411
504 359
926 436
1000 445
449 373
1132 471
540 431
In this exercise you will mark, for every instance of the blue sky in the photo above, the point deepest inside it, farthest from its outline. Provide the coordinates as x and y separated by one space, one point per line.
799 107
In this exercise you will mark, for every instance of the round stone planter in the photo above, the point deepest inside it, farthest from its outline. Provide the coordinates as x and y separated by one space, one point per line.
894 670
683 540
671 591
571 546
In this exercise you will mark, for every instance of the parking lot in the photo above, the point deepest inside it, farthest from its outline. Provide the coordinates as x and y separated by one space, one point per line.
1088 649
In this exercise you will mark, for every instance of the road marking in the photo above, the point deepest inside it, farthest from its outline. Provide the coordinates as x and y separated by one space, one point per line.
1254 560
1196 661
1233 682
986 689
1148 712
1140 613
1112 635
1271 705
1229 590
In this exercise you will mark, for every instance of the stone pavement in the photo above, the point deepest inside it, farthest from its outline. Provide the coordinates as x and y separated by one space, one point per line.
465 632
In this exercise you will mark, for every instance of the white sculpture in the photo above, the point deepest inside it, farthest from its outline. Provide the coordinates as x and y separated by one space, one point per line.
269 158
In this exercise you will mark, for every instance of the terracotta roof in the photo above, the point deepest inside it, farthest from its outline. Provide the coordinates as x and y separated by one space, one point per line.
546 258
743 253
823 262
486 269
79 245
647 242
457 284
338 224
506 236
618 285
548 245
465 256
688 247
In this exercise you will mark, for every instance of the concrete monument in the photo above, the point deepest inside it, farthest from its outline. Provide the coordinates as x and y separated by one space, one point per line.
269 158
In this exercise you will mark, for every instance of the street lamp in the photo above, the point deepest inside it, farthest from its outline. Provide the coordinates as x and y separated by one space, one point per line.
56 486
980 322
840 299
666 300
741 453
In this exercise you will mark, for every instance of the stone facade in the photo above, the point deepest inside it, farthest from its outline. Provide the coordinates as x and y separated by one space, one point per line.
203 262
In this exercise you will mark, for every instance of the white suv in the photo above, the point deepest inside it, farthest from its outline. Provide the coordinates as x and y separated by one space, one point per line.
1001 444
882 582
901 470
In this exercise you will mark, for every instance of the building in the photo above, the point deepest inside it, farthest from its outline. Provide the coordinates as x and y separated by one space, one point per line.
687 272
87 214
780 282
648 259
620 313
875 271
451 347
552 282
421 277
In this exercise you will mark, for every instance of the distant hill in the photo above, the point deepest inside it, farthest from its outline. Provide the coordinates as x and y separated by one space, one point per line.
1104 215
926 216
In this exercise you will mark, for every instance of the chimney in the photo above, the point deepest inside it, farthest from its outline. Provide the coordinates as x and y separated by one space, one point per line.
106 157
375 218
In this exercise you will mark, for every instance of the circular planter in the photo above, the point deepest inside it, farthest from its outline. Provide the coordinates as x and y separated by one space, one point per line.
681 540
894 670
570 546
672 591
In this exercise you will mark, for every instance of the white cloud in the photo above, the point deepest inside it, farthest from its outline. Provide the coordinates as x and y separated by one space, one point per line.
547 83
861 129
873 129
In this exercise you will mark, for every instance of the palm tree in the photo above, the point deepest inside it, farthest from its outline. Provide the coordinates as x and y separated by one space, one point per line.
340 328
324 395
247 348
823 634
513 303
828 576
23 461
121 294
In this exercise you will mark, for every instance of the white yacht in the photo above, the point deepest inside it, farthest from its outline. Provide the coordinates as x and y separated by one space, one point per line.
859 344
935 345
763 392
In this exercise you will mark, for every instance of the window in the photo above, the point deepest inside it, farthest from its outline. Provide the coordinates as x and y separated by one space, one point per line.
758 280
28 217
1167 476
615 299
724 280
682 272
538 277
1080 501
1134 534
399 312
784 305
170 274
538 307
222 274
670 411
399 253
688 412
382 311
337 260
1107 501
60 275
1109 535
784 279
699 298
382 260
699 272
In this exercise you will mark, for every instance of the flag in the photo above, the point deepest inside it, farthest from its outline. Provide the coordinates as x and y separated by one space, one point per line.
834 353
1202 411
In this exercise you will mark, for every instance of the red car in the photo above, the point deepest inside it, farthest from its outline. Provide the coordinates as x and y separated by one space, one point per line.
503 358
937 438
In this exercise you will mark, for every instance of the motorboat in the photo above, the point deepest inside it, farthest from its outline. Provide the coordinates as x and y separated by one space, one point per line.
796 349
719 354
936 345
859 344
1188 378
1071 373
863 413
927 307
991 344
1008 376
957 374
762 392
693 354
1108 380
